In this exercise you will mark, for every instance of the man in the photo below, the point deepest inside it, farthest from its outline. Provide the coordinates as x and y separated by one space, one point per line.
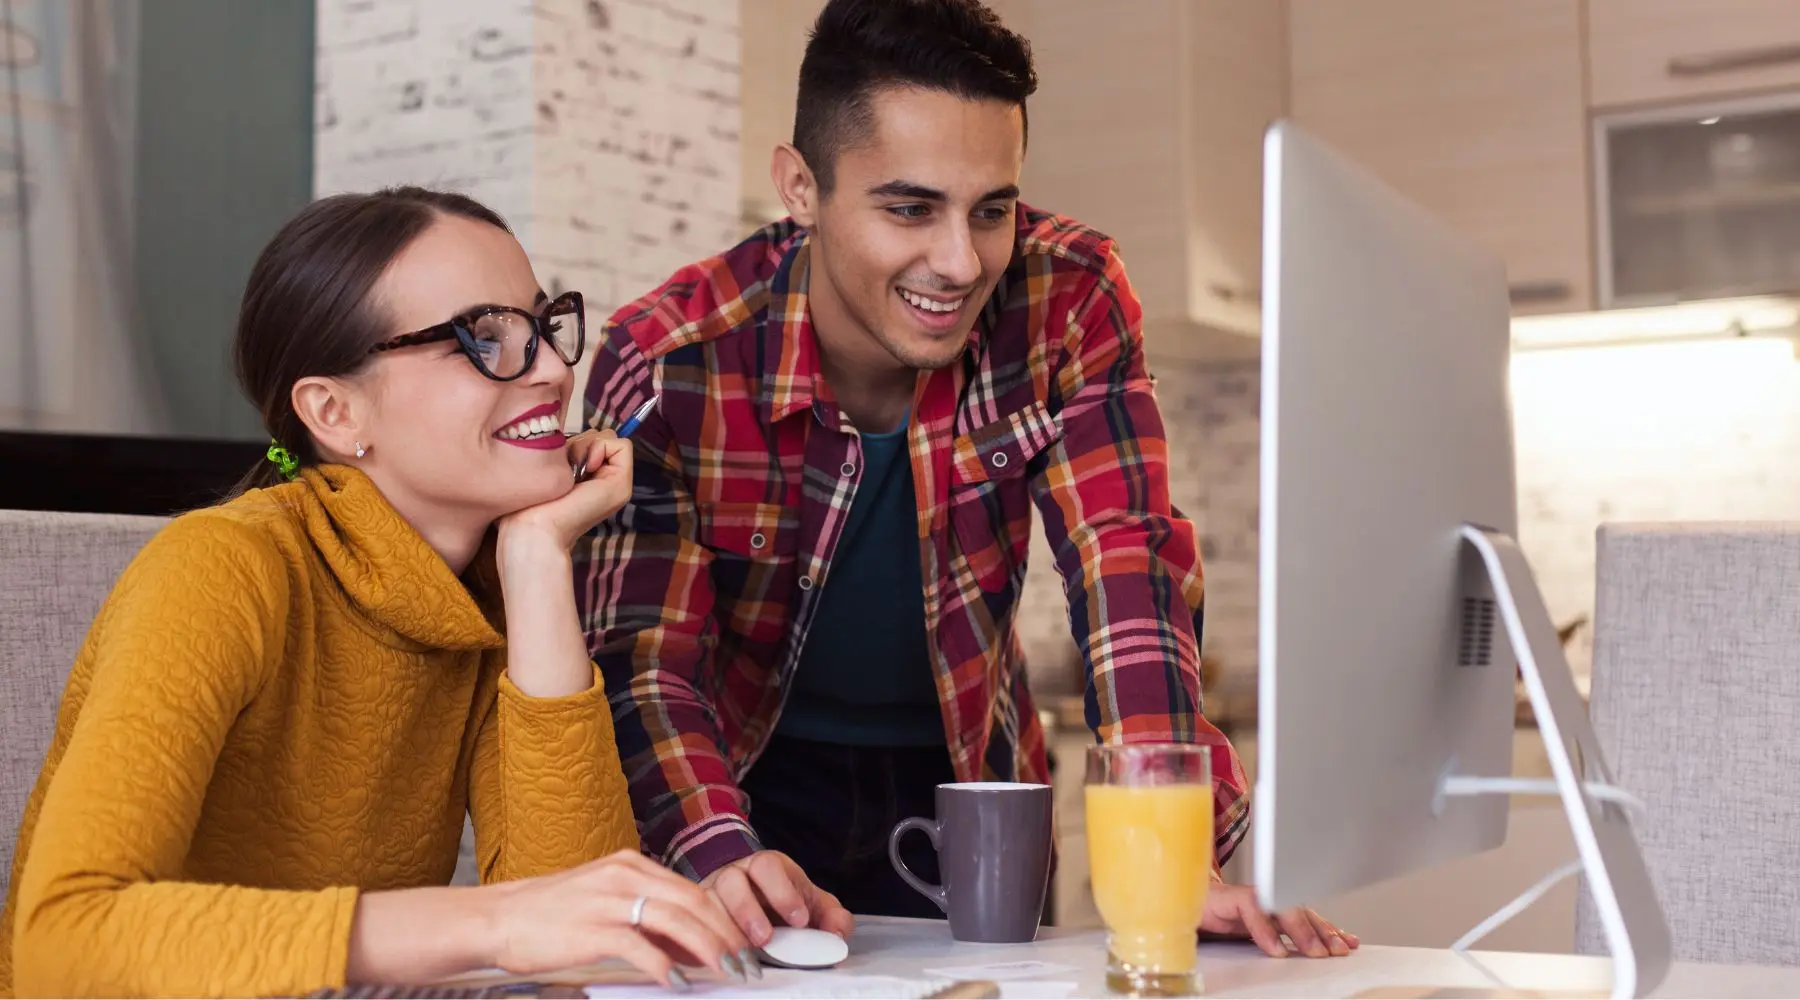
812 594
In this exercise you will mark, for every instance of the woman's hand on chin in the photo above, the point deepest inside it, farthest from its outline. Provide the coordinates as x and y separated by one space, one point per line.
604 461
546 649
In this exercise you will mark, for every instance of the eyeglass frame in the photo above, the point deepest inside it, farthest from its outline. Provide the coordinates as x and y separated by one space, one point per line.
458 328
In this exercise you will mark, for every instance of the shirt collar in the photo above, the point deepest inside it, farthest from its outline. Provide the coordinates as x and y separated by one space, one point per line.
790 347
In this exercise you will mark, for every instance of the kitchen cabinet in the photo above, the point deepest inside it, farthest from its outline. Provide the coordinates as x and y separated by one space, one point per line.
1694 205
1237 53
1148 125
1681 51
1473 109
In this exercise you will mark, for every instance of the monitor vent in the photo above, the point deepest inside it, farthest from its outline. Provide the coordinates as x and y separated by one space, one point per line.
1477 646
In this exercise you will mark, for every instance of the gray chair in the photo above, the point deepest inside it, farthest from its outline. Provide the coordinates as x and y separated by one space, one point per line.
1696 701
55 571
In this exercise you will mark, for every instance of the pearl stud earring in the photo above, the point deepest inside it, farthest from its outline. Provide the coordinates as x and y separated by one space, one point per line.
360 450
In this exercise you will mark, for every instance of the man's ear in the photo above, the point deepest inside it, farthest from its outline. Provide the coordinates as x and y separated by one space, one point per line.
795 183
333 414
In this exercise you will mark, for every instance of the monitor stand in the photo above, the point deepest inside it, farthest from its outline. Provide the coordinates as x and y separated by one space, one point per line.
1612 863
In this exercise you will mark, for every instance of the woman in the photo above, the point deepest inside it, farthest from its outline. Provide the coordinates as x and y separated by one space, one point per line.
270 738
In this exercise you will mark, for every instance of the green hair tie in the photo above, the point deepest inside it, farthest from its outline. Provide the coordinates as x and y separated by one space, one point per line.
284 460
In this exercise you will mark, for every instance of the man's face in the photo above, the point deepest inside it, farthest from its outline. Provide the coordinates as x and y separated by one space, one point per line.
919 225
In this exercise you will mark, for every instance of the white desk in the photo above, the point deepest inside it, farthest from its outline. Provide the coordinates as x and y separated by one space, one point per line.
892 947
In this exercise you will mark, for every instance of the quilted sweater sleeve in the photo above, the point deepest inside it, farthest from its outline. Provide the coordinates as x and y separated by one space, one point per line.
182 645
546 790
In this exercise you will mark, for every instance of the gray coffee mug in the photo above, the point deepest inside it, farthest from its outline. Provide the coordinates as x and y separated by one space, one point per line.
993 845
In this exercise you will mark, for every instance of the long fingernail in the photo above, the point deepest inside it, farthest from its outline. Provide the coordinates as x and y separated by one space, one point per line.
678 982
759 933
748 957
734 967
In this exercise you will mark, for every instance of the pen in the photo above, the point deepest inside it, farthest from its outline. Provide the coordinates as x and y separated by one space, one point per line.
637 417
631 424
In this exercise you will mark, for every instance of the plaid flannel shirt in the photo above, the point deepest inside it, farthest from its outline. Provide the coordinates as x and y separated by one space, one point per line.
698 594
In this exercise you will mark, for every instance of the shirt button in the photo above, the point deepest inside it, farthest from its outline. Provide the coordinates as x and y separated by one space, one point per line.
806 583
999 460
757 540
848 469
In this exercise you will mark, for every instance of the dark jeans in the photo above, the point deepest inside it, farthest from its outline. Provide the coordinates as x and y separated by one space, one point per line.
831 807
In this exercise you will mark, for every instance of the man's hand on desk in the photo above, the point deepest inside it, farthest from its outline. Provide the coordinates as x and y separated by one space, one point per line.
768 884
1232 912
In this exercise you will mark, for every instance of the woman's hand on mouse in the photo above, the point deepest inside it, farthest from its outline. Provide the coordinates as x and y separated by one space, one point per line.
768 886
583 915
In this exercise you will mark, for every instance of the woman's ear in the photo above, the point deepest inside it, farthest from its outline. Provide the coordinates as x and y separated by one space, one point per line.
334 414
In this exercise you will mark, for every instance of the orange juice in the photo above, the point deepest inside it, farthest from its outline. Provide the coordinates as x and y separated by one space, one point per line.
1150 852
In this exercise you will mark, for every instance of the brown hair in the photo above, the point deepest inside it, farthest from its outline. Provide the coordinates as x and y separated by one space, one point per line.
308 308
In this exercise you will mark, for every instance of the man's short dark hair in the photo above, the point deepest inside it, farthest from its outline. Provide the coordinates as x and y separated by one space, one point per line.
858 46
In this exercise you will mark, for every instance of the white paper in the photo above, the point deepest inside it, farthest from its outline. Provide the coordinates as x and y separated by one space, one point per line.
1000 972
1036 989
822 985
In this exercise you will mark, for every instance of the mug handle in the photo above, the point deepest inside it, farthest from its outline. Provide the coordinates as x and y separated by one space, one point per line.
935 893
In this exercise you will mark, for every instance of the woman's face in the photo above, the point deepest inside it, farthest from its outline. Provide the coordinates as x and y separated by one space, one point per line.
437 431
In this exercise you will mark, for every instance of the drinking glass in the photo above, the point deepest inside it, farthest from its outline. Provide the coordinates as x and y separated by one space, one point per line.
1150 849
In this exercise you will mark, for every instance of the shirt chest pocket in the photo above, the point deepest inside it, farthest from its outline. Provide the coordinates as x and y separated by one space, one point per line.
754 548
990 505
763 531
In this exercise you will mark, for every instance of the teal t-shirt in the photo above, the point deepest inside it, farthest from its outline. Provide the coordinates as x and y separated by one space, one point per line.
865 675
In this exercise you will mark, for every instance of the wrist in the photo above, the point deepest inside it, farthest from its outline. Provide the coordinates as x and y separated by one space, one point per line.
525 550
731 844
422 935
477 926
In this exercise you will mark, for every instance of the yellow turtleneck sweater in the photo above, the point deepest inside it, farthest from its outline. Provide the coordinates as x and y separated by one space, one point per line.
286 700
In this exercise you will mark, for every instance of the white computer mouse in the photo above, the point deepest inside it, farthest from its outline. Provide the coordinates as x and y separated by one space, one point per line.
803 948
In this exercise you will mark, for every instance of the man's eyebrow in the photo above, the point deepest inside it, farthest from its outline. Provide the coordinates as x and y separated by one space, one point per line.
909 189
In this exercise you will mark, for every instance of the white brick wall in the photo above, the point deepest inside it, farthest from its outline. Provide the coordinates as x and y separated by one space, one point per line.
636 120
434 92
1706 431
605 131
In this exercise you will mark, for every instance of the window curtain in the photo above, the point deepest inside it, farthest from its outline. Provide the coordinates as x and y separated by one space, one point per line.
68 117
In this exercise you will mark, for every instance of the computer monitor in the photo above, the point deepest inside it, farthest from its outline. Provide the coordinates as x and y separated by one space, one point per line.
1386 426
1394 606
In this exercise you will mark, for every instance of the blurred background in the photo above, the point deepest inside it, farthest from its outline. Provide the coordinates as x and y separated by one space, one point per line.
1635 162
